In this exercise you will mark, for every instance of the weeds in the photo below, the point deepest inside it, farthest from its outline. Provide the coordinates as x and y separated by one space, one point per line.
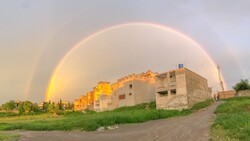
91 121
202 105
233 119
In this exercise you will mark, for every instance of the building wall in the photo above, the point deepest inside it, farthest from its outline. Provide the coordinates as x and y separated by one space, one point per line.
197 88
123 96
143 92
104 102
133 89
96 106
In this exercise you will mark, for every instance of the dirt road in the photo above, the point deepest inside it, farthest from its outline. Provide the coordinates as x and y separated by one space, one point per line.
194 127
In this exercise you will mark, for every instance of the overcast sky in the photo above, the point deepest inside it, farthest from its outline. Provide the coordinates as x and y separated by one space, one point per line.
36 35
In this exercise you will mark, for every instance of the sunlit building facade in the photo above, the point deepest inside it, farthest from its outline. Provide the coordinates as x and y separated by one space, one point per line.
133 89
91 99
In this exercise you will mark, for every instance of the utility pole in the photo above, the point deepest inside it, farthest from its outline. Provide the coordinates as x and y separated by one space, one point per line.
221 82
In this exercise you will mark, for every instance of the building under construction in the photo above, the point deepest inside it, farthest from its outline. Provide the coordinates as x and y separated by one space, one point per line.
180 89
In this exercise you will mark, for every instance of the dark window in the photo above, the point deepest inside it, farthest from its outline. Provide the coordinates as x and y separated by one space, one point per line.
130 86
121 97
130 93
173 91
163 93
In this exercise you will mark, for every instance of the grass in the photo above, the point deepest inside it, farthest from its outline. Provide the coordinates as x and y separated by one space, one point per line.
91 121
233 120
202 105
8 114
9 137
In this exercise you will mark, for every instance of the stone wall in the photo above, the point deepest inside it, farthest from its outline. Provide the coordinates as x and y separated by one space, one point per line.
226 94
243 93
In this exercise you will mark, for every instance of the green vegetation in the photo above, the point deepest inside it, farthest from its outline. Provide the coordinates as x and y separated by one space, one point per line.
9 137
90 120
11 105
28 107
8 114
242 85
202 105
151 105
233 120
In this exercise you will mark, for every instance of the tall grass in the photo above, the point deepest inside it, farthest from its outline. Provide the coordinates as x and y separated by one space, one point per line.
233 119
8 114
91 121
202 105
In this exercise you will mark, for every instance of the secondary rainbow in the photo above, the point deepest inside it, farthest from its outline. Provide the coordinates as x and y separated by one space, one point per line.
52 78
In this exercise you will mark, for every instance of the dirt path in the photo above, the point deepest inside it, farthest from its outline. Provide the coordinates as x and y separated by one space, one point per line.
194 127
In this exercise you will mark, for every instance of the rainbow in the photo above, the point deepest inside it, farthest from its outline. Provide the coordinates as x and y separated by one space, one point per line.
37 60
52 78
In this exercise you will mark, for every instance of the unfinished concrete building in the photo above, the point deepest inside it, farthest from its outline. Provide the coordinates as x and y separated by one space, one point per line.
180 89
133 89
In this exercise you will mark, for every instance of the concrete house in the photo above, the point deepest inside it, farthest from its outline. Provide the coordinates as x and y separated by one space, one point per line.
101 92
180 89
91 100
133 89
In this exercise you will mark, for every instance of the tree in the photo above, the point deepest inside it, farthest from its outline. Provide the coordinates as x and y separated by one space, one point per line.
242 85
35 108
56 108
11 105
21 109
51 108
69 106
27 106
46 106
60 105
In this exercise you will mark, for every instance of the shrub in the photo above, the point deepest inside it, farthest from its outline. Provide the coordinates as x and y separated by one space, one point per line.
242 85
